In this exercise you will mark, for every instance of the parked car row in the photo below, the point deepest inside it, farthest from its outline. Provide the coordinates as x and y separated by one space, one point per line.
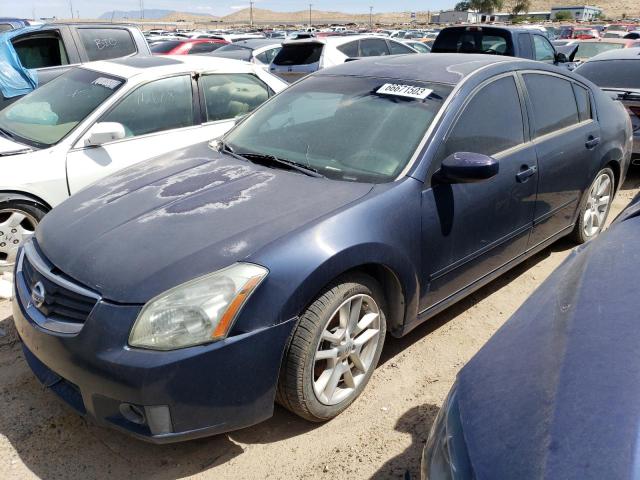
182 296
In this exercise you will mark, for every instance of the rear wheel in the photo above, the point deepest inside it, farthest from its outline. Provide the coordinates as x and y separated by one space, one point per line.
18 221
334 349
595 206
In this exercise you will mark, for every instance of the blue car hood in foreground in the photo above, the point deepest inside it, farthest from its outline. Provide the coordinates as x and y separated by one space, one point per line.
556 392
160 223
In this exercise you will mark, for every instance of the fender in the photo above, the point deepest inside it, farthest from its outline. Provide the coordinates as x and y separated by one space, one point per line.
6 196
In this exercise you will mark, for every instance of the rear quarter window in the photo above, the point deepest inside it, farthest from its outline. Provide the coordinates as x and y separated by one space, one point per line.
299 54
106 43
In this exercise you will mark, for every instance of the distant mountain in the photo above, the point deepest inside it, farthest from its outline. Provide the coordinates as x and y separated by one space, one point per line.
149 14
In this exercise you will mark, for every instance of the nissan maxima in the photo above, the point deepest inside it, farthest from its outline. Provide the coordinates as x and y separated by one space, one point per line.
183 296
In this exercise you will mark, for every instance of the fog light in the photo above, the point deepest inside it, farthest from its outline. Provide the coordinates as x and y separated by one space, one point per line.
133 413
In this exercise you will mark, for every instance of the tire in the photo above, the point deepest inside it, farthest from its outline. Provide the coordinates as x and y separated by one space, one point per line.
18 220
301 375
591 208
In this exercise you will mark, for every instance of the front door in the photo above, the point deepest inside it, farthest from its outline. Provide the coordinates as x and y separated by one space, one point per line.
158 117
470 230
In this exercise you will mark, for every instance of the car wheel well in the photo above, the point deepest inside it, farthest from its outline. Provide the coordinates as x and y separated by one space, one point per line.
615 166
393 292
10 195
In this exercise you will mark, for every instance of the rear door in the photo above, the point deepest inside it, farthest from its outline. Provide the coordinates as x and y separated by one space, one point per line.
472 229
566 137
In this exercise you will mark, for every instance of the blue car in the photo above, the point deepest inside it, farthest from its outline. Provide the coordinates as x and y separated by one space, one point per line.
554 393
180 298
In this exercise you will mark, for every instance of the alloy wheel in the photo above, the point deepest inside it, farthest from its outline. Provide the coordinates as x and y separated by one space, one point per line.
597 206
16 226
346 349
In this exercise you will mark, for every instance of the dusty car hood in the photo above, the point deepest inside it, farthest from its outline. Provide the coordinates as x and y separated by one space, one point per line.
160 223
556 392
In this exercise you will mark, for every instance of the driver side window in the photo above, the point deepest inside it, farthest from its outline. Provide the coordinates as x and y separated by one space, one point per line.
157 106
490 123
544 52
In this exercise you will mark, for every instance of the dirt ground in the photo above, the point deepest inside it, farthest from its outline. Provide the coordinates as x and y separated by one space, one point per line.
381 436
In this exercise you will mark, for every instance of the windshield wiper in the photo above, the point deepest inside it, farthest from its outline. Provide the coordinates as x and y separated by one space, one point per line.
7 134
223 147
624 94
272 159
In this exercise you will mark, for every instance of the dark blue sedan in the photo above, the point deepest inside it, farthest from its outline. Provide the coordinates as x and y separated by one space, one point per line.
182 297
554 393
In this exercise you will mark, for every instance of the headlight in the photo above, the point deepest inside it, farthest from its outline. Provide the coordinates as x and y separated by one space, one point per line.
197 312
445 455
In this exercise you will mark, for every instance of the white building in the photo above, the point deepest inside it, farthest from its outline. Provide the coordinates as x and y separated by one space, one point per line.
582 13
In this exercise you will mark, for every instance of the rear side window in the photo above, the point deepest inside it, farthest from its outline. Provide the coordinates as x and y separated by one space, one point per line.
165 47
398 48
232 95
349 49
299 54
490 123
554 104
374 47
473 40
268 56
106 43
583 101
41 50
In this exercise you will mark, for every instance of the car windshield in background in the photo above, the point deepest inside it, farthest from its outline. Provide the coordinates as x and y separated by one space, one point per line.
346 129
299 54
591 49
612 73
48 114
473 40
165 47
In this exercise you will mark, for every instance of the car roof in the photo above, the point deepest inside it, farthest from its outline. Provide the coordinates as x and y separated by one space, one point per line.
254 43
449 68
491 27
162 65
619 54
622 41
335 40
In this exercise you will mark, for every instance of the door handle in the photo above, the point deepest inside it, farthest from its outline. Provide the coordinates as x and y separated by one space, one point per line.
525 173
592 142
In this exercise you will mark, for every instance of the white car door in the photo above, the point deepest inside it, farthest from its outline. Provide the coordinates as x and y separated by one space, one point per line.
158 116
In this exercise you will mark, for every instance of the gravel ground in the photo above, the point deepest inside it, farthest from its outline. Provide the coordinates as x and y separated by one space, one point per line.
381 436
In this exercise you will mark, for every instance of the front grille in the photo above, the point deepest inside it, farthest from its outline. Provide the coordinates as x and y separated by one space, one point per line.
60 303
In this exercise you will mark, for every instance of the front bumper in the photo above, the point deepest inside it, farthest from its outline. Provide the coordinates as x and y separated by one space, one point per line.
199 391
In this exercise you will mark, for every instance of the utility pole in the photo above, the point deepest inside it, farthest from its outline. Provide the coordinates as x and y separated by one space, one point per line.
371 18
142 9
71 8
310 5
251 14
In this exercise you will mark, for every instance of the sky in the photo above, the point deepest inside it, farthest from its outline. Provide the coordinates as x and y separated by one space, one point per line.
94 8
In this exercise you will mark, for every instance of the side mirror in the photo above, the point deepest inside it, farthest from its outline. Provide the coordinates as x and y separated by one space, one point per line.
104 132
561 58
467 167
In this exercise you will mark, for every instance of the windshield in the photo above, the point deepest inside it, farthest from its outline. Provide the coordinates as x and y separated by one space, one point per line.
341 126
46 115
591 49
165 47
612 73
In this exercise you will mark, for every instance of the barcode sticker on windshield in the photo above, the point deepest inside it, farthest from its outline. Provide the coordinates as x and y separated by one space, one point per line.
109 83
410 91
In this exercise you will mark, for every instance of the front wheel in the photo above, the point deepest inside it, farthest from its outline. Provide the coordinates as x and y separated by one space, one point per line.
18 221
595 206
334 349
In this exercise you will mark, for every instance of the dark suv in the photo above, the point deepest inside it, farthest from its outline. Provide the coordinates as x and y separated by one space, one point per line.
509 41
53 49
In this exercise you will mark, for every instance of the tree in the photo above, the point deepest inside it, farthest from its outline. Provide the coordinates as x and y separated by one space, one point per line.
462 6
486 6
563 15
520 6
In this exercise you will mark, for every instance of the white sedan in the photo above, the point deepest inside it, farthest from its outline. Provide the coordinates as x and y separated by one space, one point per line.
104 116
